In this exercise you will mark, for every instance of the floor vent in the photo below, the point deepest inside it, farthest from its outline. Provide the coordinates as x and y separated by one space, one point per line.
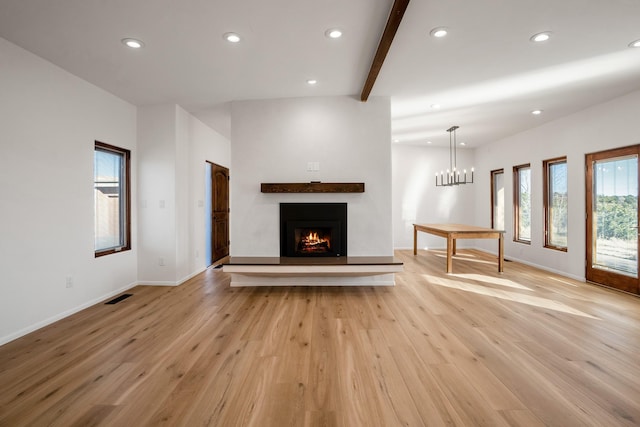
118 299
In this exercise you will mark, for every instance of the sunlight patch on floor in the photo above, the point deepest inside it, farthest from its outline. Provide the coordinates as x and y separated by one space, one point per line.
443 252
562 281
462 257
492 280
506 295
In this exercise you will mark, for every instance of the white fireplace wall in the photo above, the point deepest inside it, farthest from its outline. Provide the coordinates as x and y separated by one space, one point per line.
276 141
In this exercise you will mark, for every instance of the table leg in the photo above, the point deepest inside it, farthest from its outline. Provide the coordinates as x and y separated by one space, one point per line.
454 247
415 240
450 249
500 253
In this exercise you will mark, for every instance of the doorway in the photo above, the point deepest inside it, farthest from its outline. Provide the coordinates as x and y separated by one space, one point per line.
217 205
612 218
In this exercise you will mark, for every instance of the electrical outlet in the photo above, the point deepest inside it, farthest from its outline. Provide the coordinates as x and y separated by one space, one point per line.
69 281
161 262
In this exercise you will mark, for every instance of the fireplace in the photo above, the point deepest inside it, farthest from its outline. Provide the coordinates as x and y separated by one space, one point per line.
313 229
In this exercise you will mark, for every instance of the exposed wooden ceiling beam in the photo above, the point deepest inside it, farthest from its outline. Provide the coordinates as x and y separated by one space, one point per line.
395 17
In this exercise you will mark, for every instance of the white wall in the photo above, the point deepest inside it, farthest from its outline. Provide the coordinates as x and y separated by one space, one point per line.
416 199
183 202
273 140
608 125
173 148
157 194
205 144
50 120
217 118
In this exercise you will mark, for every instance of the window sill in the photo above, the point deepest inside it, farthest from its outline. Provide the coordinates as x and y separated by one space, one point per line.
112 251
556 248
524 242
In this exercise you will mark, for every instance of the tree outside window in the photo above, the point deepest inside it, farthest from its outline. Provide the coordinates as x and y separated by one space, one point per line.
556 203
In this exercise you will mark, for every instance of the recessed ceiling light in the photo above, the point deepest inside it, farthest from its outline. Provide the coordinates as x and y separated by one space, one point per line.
463 143
635 44
396 140
536 112
231 37
439 32
428 142
435 106
541 37
333 33
133 43
312 82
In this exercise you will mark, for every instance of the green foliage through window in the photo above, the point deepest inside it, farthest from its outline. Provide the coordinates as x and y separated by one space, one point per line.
616 217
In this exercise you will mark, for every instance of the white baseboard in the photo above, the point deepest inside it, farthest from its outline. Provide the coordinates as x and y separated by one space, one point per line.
550 270
156 283
168 283
24 331
190 276
531 264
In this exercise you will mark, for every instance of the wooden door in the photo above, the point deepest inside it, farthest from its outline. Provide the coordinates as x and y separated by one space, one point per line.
612 218
219 212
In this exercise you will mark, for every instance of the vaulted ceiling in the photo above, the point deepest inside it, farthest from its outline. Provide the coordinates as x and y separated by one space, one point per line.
486 75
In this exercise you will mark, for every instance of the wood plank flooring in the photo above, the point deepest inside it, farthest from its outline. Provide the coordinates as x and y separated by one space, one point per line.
475 348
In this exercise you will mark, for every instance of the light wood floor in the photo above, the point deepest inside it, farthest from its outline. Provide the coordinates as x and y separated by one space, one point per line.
473 348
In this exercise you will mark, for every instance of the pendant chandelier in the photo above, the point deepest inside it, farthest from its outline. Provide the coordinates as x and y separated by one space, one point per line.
452 176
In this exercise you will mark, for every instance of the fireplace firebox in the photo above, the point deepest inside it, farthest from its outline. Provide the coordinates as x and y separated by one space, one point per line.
313 229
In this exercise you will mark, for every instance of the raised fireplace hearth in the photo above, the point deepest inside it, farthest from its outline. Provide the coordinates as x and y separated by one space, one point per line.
313 229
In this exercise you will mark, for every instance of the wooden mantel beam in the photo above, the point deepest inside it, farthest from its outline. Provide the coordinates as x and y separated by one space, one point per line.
395 17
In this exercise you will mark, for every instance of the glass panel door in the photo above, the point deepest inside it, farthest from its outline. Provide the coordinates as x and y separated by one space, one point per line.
612 215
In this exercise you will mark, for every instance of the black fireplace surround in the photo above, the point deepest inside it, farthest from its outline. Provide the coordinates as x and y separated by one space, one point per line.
313 229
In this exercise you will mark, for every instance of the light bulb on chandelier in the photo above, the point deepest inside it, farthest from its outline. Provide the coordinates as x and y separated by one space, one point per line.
453 173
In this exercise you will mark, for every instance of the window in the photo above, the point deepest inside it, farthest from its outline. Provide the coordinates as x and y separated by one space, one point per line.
111 199
497 199
522 203
555 203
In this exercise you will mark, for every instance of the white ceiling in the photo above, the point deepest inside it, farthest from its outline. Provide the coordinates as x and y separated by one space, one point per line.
486 74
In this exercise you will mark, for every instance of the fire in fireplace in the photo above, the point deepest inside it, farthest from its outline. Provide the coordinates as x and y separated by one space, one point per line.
313 229
313 240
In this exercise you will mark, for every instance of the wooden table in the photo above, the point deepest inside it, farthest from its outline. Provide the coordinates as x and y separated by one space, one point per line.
451 232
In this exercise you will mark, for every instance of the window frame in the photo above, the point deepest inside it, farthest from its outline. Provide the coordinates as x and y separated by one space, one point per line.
493 195
546 168
516 202
126 180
